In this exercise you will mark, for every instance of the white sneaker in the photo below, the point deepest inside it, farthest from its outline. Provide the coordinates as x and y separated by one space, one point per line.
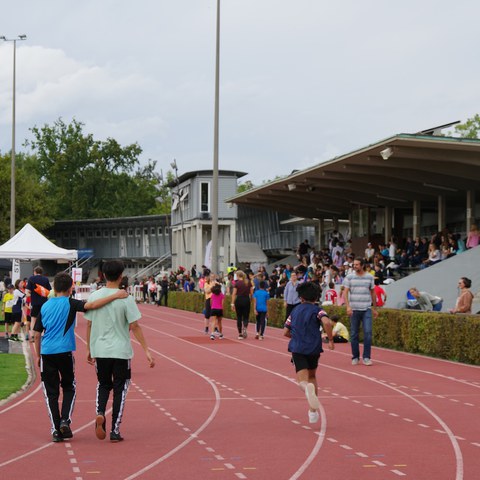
367 362
312 397
355 361
313 416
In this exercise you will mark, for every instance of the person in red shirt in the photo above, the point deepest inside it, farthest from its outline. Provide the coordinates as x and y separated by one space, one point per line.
331 294
380 293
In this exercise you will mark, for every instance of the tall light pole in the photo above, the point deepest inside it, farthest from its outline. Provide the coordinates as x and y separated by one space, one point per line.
12 180
215 150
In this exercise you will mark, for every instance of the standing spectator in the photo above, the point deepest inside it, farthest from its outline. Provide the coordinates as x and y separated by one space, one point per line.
290 295
331 295
17 310
38 288
7 304
473 237
152 289
163 291
55 351
304 328
193 272
207 288
109 348
260 298
242 293
465 297
380 294
302 251
359 300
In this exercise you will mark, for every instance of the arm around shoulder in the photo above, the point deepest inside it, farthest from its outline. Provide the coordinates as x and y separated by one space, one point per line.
101 302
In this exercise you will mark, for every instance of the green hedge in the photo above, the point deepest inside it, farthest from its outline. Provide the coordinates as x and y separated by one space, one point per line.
441 335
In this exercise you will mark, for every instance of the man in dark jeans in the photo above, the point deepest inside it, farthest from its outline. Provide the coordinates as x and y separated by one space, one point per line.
163 291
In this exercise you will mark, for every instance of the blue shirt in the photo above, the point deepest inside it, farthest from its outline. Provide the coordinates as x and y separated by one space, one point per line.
57 320
305 328
290 294
261 297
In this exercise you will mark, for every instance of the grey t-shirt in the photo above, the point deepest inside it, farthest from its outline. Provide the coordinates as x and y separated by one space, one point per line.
360 287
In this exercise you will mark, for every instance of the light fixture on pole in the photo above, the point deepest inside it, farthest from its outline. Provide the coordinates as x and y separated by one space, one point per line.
12 179
386 153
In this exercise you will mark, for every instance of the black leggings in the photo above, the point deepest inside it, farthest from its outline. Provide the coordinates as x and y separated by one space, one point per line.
242 309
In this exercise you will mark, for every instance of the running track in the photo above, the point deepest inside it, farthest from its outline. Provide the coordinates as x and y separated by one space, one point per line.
230 409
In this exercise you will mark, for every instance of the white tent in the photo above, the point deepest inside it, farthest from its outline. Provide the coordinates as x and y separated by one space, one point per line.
30 244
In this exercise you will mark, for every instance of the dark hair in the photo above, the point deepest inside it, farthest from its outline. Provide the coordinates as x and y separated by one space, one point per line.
309 291
331 285
17 283
361 260
335 318
38 269
263 284
124 283
466 281
62 282
216 289
113 269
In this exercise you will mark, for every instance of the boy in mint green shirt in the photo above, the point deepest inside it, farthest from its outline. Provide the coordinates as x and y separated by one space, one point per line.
110 349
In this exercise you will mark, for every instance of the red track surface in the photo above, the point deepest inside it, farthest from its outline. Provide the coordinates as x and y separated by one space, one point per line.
230 409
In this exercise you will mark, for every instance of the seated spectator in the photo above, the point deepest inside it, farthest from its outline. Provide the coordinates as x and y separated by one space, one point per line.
465 297
426 301
369 252
340 332
434 256
473 238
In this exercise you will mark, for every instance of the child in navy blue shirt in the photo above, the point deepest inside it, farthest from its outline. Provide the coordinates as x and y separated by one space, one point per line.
304 328
54 350
260 298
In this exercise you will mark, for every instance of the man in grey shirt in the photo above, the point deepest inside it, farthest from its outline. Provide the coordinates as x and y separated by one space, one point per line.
359 300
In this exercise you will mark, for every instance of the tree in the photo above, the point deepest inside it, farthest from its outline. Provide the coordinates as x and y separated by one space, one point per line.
31 204
469 129
245 186
88 178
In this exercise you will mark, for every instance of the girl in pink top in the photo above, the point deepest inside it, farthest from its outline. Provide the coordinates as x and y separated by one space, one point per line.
216 303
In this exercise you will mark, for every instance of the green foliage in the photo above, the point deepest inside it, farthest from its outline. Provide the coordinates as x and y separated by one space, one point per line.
87 178
470 128
245 186
32 205
441 335
13 374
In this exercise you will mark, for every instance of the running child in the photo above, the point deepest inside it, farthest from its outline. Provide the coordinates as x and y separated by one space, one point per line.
260 298
216 302
304 328
54 351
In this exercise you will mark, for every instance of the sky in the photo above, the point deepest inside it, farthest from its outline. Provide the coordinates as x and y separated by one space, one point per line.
301 81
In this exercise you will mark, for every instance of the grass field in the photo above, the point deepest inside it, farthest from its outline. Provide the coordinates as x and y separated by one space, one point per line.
13 374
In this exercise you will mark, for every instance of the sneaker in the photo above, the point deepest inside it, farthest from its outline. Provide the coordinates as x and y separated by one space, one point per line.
355 361
367 362
206 331
313 416
57 436
65 429
240 337
312 397
257 336
220 336
212 337
27 337
100 426
244 332
115 437
261 337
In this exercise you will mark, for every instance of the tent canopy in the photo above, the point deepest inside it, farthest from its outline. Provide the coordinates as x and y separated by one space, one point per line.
30 244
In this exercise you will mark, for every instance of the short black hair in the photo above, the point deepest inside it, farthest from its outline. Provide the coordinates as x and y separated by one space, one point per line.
334 318
38 269
113 269
309 291
62 282
262 284
216 289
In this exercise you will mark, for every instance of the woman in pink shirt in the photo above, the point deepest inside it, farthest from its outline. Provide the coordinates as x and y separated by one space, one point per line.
473 237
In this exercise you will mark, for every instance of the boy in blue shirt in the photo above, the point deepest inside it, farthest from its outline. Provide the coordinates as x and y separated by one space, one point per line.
54 350
260 298
304 328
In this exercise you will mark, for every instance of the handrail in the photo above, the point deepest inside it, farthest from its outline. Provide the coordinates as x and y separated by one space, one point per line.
154 264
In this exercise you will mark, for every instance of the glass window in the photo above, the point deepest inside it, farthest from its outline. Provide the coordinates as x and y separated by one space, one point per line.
152 231
160 231
106 234
114 233
98 234
89 233
130 232
122 232
137 232
204 197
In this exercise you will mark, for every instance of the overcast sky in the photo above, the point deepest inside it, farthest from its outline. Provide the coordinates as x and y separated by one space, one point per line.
302 81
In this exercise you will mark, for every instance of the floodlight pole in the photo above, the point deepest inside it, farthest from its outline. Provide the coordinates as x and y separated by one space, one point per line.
214 201
12 179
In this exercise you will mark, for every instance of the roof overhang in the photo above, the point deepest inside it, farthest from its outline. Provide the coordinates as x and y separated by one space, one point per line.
393 172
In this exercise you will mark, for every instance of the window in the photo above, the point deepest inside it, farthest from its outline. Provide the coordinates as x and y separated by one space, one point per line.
204 197
98 234
81 233
122 232
114 233
145 231
106 234
130 232
137 232
167 231
160 231
152 231
89 233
